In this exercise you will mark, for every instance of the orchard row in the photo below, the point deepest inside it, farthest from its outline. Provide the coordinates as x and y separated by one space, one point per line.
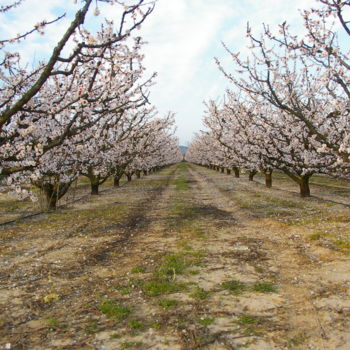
289 107
85 111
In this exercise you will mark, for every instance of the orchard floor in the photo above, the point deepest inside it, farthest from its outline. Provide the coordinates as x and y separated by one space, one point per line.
187 258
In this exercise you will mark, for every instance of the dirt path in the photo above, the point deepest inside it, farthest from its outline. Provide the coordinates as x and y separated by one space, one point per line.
183 259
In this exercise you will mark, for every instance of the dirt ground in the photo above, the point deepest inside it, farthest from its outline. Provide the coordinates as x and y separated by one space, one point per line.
183 259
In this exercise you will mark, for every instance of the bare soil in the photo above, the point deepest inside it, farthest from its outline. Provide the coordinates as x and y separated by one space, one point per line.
184 259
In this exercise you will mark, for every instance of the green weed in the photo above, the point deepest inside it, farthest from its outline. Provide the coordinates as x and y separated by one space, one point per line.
246 320
200 294
115 336
183 166
114 310
318 235
174 264
124 291
138 269
131 344
298 339
206 321
53 322
180 183
134 324
168 303
341 244
155 288
264 287
92 327
236 287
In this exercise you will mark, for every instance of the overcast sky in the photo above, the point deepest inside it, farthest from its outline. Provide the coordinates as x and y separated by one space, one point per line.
183 38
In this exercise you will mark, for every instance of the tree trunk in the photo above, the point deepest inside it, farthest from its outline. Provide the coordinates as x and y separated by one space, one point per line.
252 173
116 181
53 192
138 174
228 171
94 188
129 177
268 178
222 169
51 196
145 173
236 171
304 186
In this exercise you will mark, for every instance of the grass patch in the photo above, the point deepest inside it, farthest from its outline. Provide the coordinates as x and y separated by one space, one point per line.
183 166
174 264
114 310
236 287
264 287
92 327
115 336
343 218
168 303
259 269
10 206
138 269
53 322
270 206
160 287
249 323
156 325
254 325
200 294
51 298
134 282
79 221
177 264
164 277
246 320
296 340
342 244
183 244
131 344
318 235
124 291
206 321
180 183
138 325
